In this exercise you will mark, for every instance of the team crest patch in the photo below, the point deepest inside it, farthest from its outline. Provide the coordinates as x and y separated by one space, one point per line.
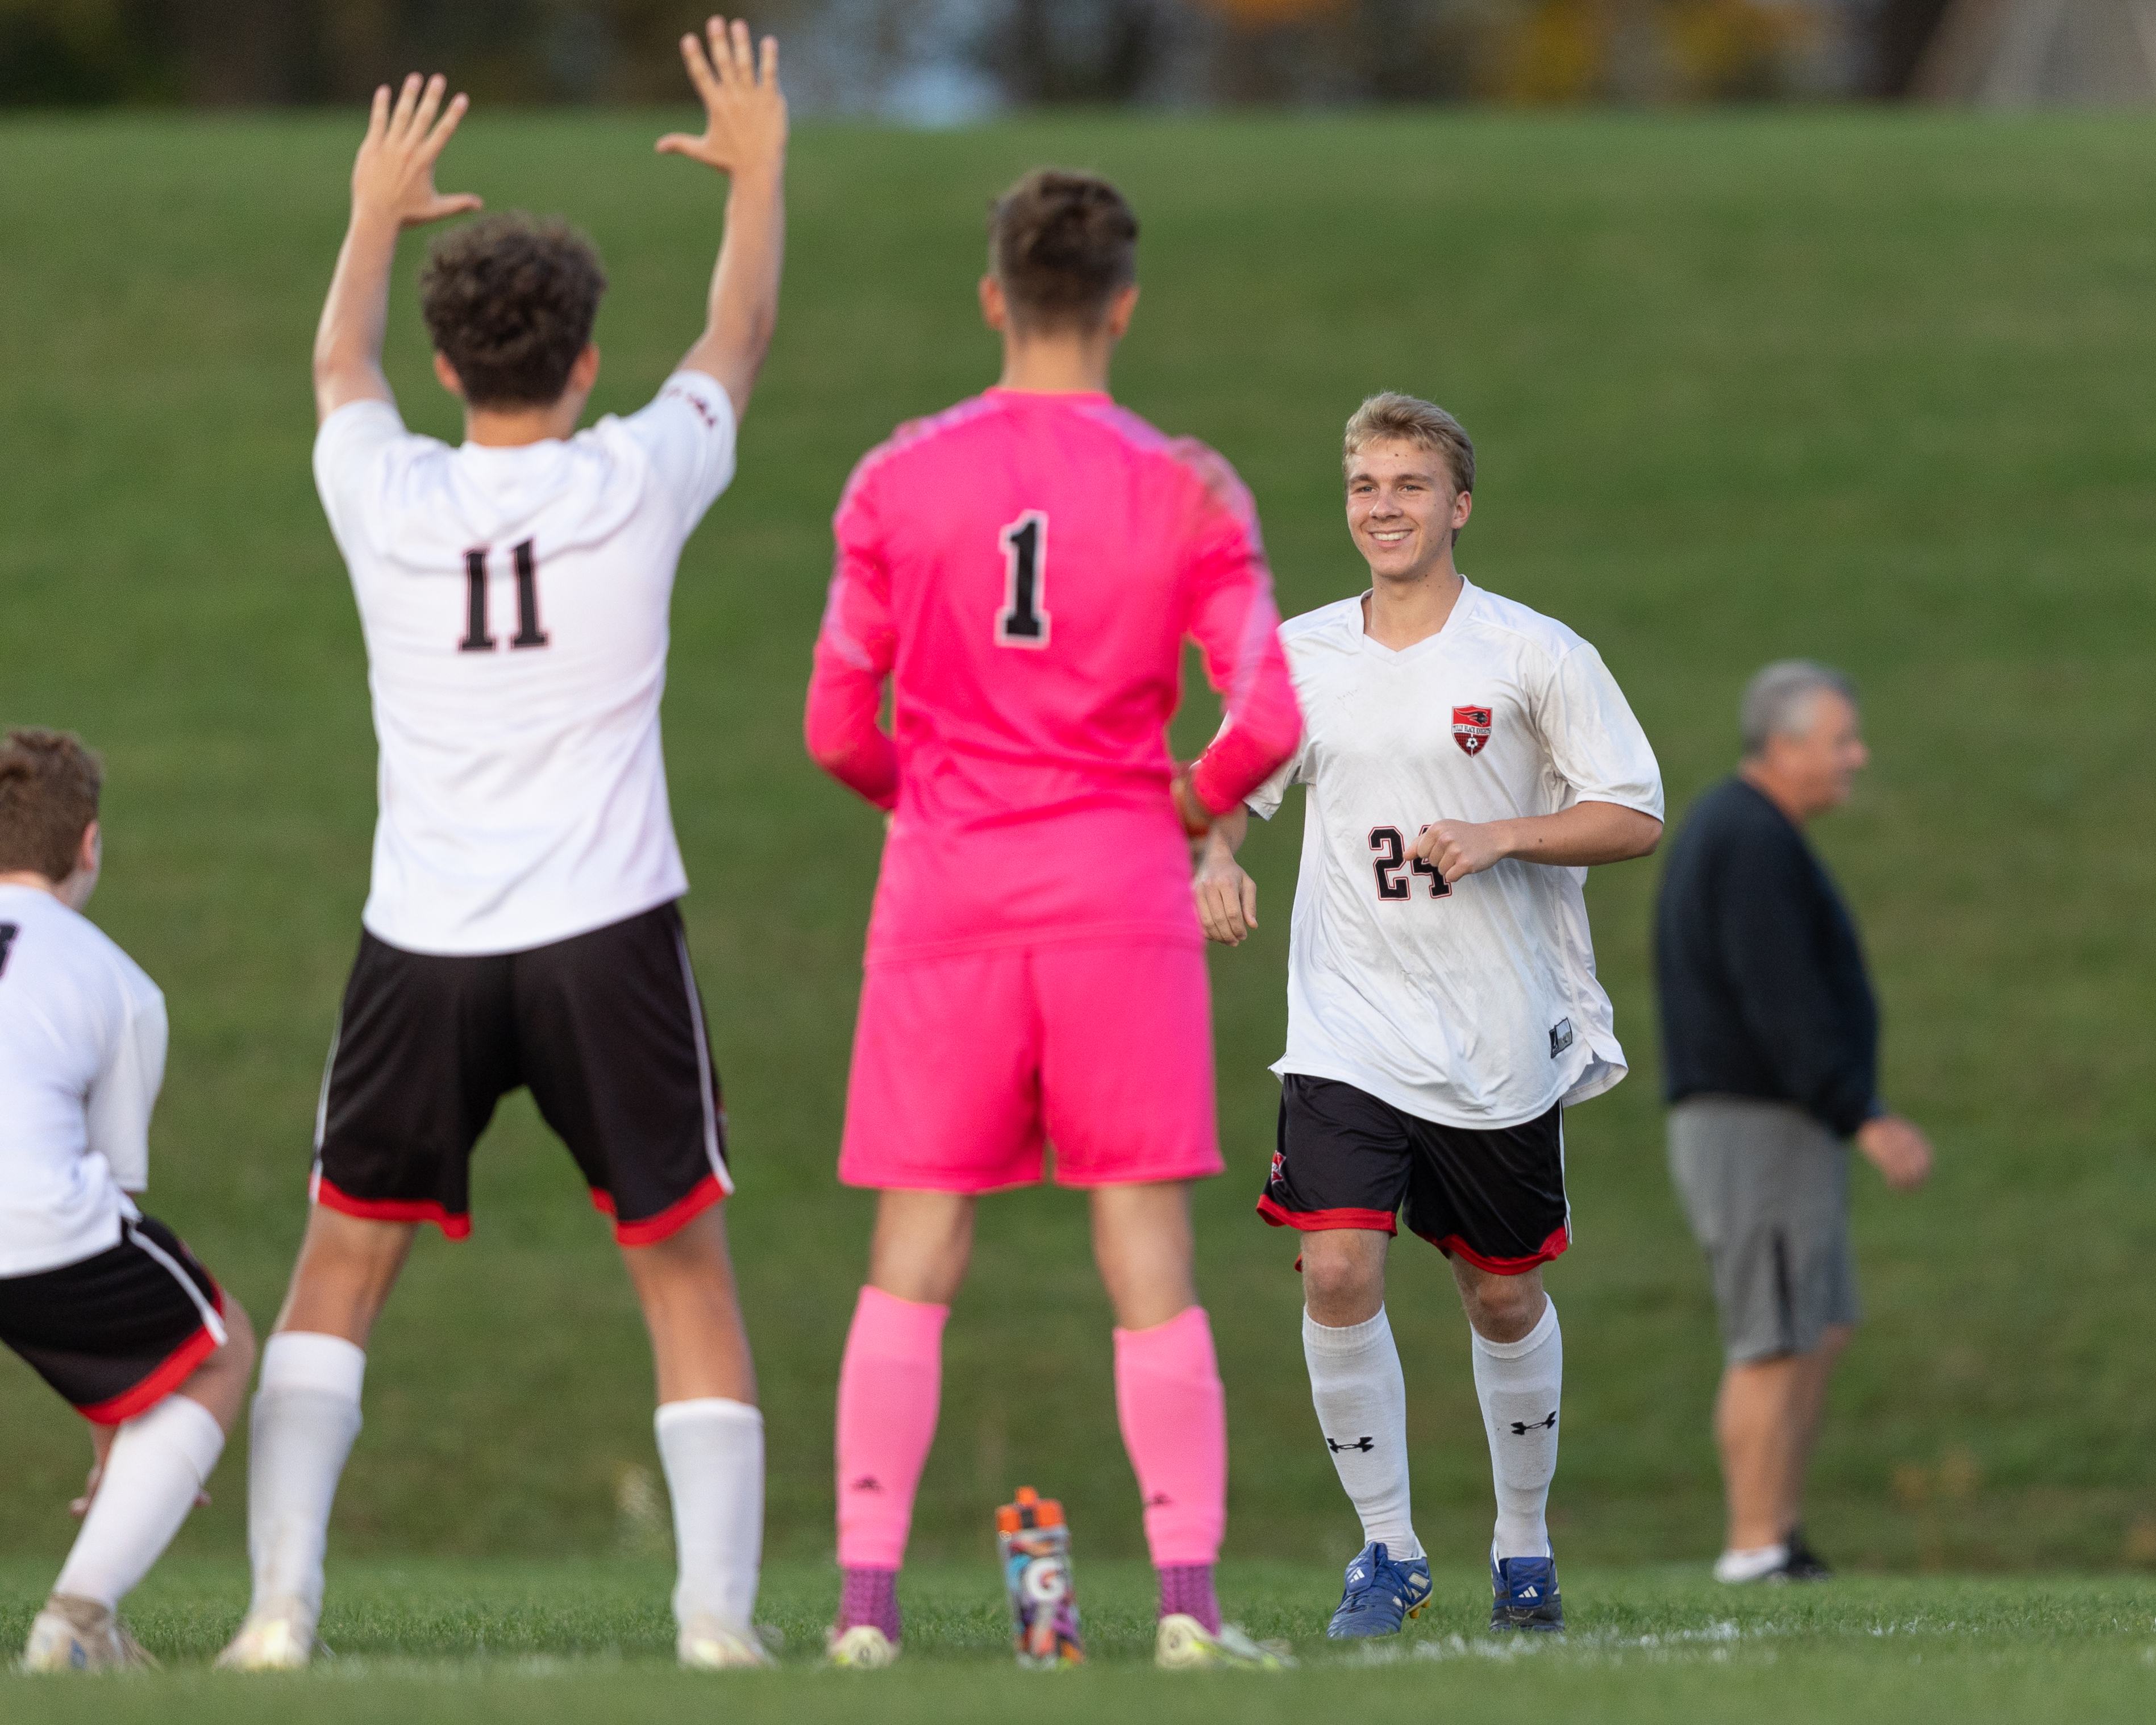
1470 728
1278 1170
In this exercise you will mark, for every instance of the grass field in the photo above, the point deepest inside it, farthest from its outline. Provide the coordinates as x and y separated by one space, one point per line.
1873 387
536 1641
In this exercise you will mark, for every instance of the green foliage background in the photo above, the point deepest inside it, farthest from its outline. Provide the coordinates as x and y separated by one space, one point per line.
1874 387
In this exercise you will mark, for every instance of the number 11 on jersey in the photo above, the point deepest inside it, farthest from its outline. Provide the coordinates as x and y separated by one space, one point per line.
1023 622
524 560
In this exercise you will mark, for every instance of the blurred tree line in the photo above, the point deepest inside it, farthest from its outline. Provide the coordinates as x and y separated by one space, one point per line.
950 60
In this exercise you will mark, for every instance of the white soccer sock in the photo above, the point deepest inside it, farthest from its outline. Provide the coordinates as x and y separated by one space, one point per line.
1520 1384
158 1461
1362 1402
306 1415
712 1451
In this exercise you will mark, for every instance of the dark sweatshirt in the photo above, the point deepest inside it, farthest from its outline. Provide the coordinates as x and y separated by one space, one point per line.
1763 985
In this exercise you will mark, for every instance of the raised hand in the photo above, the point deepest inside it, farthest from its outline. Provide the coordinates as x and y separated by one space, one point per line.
393 178
744 108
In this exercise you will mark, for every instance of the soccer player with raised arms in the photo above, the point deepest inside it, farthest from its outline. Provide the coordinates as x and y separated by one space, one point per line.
1023 569
102 1301
1467 760
520 929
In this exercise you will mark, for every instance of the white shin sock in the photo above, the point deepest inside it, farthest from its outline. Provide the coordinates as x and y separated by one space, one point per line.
1520 1384
306 1415
1362 1402
712 1451
158 1461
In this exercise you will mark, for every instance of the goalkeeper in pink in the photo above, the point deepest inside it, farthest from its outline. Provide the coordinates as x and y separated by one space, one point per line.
1024 569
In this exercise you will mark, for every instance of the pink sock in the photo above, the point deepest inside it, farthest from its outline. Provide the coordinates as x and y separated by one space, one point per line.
1175 1426
889 1385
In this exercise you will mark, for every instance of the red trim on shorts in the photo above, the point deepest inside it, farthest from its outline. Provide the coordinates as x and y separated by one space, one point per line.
1316 1221
650 1230
176 1368
1549 1248
455 1226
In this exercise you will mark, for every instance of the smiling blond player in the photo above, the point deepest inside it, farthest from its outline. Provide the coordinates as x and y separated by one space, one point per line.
1466 760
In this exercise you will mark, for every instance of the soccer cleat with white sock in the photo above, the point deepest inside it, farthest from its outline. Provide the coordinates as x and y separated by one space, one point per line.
707 1645
279 1638
1380 1593
862 1648
72 1634
1183 1644
1525 1594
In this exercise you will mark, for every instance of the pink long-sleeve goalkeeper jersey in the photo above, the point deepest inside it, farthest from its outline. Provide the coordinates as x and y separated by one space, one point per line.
1024 568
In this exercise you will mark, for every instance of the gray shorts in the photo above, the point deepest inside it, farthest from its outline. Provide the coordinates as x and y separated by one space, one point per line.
1766 1187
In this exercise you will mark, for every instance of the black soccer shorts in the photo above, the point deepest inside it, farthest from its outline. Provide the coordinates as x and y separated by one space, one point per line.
118 1332
605 1028
1345 1159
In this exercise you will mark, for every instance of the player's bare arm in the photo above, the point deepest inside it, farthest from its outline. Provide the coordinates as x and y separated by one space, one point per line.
1578 837
744 137
393 188
1227 897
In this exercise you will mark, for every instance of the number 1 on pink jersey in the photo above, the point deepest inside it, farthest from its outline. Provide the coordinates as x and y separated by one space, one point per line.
1023 622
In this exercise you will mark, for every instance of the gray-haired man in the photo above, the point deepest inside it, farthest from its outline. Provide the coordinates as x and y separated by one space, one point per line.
1770 1040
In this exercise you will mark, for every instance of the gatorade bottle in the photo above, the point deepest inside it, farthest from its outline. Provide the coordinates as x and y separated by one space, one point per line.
1035 1547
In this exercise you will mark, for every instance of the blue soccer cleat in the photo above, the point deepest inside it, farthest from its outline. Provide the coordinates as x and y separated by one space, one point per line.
1380 1595
1526 1595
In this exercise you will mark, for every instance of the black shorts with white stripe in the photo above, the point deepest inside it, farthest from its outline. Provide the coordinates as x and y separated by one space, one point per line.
605 1028
116 1333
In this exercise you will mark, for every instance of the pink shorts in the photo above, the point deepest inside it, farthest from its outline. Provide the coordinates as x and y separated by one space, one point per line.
966 1068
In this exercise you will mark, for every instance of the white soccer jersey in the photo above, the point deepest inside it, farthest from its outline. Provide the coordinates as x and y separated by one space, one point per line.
515 606
1474 1005
82 1054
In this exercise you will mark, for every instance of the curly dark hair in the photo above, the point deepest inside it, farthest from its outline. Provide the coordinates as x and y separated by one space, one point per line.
1061 244
510 302
49 789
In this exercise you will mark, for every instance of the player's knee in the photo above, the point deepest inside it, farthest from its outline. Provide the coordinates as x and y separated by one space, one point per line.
1339 1287
1504 1308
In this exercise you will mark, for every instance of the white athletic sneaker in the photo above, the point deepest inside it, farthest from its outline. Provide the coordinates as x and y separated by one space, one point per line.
1183 1645
862 1648
279 1638
707 1644
78 1635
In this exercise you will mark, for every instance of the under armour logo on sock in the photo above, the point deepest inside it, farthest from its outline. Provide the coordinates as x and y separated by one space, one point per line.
1521 1428
1159 1500
868 1482
1367 1444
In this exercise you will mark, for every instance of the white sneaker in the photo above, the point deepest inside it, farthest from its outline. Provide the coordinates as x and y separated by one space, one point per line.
1767 1563
280 1638
707 1644
862 1648
77 1634
1183 1644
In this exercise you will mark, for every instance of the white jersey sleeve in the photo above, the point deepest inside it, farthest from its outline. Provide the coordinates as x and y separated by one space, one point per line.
124 1092
1264 802
1596 747
688 433
349 471
82 1053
